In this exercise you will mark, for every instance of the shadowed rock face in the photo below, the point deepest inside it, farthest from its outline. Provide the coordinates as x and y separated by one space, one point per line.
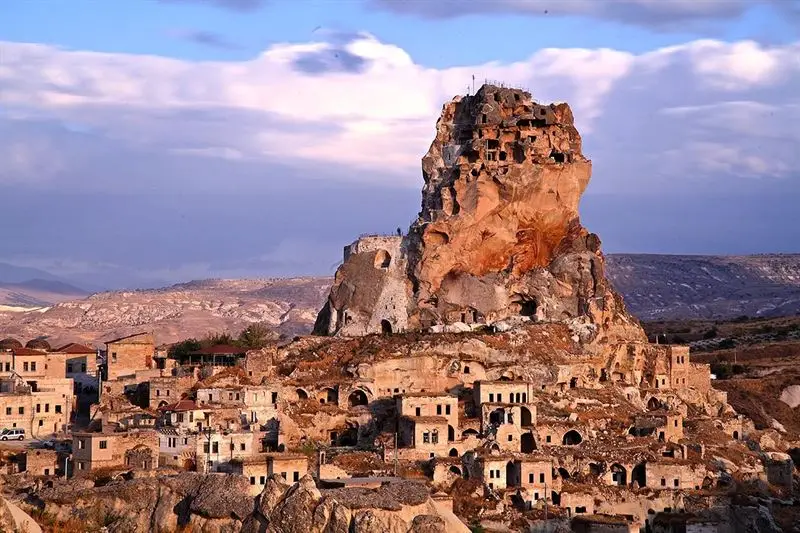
498 236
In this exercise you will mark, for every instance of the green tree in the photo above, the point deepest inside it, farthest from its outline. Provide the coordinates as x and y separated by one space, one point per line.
183 348
215 338
255 336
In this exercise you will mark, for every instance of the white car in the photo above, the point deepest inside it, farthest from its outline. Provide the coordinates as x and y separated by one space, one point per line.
12 434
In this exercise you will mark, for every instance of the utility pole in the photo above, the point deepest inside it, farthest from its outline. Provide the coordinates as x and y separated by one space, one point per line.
207 432
395 454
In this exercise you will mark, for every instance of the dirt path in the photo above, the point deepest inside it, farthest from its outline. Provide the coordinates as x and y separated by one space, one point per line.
22 520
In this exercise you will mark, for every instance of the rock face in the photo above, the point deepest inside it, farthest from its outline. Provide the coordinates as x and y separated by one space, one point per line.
498 236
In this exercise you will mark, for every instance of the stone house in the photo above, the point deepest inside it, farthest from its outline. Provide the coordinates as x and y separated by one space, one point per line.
666 426
41 407
215 451
258 468
424 404
176 448
677 475
39 462
511 425
535 474
425 435
132 449
126 355
184 414
497 472
165 390
81 366
511 392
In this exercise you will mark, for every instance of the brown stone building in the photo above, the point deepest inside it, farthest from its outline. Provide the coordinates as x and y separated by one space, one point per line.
133 449
126 355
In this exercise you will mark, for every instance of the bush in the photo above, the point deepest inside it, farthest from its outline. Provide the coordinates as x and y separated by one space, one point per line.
710 334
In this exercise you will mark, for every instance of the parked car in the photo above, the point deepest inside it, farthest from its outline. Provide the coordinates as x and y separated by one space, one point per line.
12 434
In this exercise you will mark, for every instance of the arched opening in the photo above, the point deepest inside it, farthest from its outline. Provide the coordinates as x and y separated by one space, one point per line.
469 433
571 438
331 395
496 417
511 475
301 394
161 404
603 375
386 327
451 433
494 448
526 417
735 435
638 475
455 470
382 259
527 443
653 404
562 472
573 383
528 307
595 469
556 497
453 452
619 476
357 397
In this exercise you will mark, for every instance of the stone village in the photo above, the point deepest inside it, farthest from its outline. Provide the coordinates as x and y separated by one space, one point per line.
483 355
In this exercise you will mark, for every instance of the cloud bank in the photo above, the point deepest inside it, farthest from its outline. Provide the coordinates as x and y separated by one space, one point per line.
356 114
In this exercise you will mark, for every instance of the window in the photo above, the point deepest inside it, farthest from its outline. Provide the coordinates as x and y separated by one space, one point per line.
113 357
8 410
243 446
47 408
81 466
83 367
205 447
491 474
466 370
283 475
81 444
252 480
541 477
215 447
418 411
158 392
58 409
274 397
296 476
8 367
447 409
491 397
438 410
262 480
46 471
186 440
663 482
547 439
510 438
676 482
38 408
103 444
676 423
33 366
499 398
426 437
435 436
25 366
530 477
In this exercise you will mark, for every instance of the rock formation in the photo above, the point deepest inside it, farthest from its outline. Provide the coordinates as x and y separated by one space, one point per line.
498 237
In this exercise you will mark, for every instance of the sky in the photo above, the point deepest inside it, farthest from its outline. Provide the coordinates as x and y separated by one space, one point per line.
147 142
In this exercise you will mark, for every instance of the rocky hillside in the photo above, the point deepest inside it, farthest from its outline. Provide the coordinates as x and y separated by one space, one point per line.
177 312
655 287
672 287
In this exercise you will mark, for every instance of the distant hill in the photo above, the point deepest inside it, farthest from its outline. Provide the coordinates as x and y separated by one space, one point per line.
673 287
38 293
655 287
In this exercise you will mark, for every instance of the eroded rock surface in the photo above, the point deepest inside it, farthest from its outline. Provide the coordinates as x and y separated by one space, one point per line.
498 237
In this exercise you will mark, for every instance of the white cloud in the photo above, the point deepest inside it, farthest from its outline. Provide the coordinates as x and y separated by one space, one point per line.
365 108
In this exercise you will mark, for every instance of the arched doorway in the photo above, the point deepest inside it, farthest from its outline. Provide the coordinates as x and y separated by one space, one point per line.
526 417
349 437
638 475
573 383
619 476
571 438
562 472
382 259
556 497
527 443
497 417
301 394
653 404
357 397
329 395
451 433
511 475
469 433
735 435
453 452
455 470
386 327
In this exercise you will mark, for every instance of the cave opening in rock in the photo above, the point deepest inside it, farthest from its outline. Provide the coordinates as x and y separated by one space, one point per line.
528 307
386 327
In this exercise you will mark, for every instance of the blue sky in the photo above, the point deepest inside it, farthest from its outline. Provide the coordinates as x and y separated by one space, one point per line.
256 137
